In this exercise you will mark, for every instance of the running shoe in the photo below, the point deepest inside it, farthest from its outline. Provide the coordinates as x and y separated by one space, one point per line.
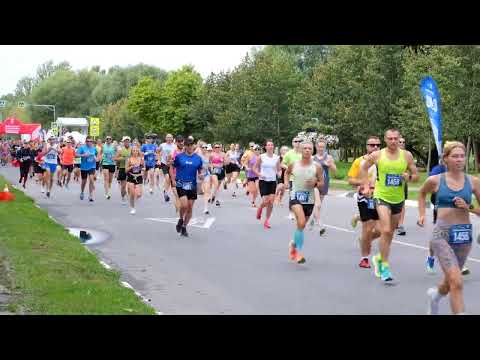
20 181
184 231
465 271
206 212
259 213
364 264
386 274
401 230
430 263
292 251
267 225
224 186
253 205
132 211
234 195
217 203
354 221
151 191
300 258
81 196
90 199
124 201
179 225
66 187
166 197
432 308
42 190
248 193
377 265
291 216
23 185
322 231
109 196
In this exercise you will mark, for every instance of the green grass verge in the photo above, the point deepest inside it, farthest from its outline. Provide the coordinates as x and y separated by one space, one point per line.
52 272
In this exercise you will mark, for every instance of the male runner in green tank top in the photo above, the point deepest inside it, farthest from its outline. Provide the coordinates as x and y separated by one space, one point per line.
392 164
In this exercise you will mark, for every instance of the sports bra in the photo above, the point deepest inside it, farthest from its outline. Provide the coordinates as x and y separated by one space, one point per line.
217 159
445 195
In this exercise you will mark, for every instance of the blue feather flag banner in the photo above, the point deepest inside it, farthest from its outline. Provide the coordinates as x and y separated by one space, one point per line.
431 97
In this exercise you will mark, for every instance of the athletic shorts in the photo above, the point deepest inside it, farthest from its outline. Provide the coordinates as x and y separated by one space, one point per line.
448 254
122 175
252 179
137 180
85 173
366 214
68 167
76 166
307 208
147 167
157 166
51 167
220 176
110 168
37 168
406 191
324 189
267 187
394 208
190 194
97 165
164 168
232 168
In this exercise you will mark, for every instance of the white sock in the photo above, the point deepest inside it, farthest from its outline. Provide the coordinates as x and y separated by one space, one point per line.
437 296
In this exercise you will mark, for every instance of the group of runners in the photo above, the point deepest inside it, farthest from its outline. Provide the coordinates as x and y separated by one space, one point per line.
191 168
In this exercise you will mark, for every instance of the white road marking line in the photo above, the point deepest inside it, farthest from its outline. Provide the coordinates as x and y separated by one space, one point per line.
208 223
195 222
395 241
105 265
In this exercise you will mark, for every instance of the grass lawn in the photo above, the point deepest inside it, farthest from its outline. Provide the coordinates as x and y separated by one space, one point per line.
50 270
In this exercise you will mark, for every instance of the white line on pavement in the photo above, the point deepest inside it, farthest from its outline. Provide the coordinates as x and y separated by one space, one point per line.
338 228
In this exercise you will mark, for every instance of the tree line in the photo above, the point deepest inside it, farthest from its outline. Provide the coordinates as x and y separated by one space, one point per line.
275 92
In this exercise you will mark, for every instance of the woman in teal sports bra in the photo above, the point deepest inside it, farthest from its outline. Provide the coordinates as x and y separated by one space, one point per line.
452 234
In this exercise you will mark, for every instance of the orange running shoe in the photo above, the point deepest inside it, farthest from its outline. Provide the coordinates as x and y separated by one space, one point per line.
292 255
300 258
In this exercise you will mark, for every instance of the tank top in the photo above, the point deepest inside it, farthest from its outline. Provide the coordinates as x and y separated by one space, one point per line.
205 163
322 161
445 195
234 157
108 154
268 167
136 169
251 164
217 159
125 153
302 173
167 149
51 156
389 184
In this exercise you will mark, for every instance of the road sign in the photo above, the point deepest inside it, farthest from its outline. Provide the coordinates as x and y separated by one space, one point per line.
94 126
21 104
3 103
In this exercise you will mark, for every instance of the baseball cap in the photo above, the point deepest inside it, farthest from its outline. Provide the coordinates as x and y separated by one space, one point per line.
188 141
179 138
126 138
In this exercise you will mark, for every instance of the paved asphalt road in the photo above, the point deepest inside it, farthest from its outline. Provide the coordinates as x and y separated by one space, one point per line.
236 267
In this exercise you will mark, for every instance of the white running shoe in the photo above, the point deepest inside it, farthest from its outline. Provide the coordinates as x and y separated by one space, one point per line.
291 216
151 191
124 201
432 303
43 190
132 211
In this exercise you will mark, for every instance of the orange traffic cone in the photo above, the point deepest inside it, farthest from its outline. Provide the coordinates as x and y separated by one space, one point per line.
6 195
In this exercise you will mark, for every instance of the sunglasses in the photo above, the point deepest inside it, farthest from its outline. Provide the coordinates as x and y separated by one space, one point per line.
217 147
296 141
377 145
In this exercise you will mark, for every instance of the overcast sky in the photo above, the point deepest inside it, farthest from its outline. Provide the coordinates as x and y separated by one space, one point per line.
17 61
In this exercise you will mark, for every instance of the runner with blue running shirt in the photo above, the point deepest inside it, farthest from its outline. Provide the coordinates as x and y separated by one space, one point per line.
149 152
107 156
50 155
187 165
88 166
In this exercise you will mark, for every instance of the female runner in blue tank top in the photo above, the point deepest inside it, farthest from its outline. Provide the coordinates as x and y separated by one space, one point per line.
452 234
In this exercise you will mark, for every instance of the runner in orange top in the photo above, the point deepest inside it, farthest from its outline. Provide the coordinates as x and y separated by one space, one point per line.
67 158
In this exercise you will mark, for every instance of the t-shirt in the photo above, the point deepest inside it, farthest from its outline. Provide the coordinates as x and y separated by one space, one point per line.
167 149
51 155
290 157
186 167
268 168
437 170
354 171
108 154
89 162
148 151
68 155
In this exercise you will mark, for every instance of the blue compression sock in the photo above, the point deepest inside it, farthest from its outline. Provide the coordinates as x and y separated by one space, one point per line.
298 238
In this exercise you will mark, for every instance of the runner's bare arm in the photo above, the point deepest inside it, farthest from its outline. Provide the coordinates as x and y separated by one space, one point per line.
287 176
413 175
430 186
320 178
369 161
256 167
331 164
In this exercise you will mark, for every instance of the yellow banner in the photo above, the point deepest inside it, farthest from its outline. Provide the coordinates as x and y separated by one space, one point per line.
94 126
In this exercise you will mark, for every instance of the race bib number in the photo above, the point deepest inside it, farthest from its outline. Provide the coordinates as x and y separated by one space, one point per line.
25 158
187 185
393 180
109 156
302 196
460 234
371 204
91 159
217 171
51 156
